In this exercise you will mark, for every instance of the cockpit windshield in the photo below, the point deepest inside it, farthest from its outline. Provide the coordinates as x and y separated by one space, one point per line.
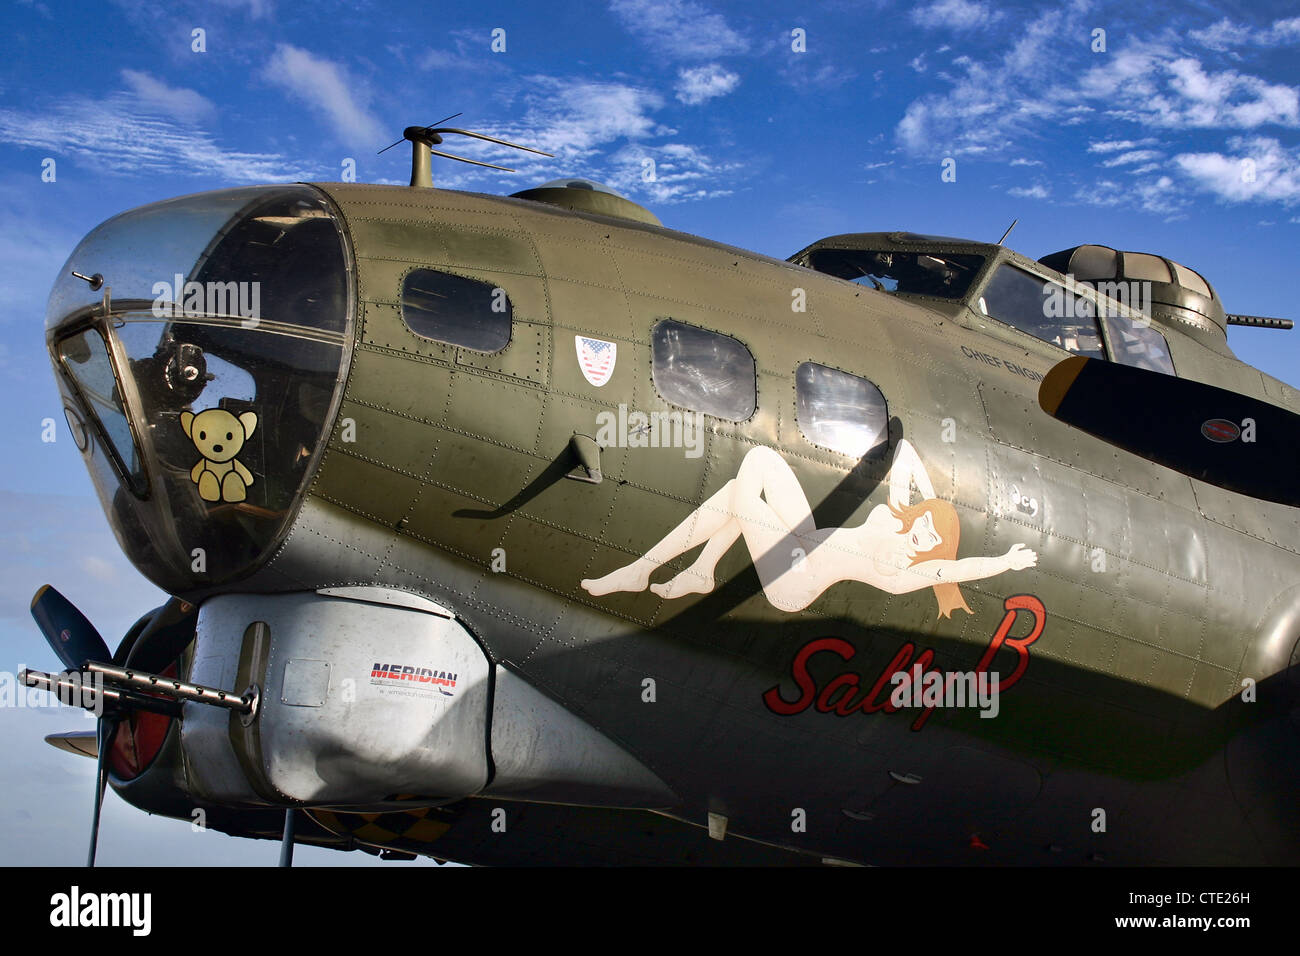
942 274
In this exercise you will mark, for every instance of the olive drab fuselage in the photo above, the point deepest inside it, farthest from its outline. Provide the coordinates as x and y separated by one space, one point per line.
1120 604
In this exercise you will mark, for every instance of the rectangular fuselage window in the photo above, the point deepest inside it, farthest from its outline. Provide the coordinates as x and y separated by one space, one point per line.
839 411
704 371
455 310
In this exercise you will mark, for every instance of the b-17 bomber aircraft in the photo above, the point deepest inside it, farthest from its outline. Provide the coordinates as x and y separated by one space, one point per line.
525 530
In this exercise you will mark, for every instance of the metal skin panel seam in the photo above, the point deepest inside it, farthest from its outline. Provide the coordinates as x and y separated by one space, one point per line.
488 439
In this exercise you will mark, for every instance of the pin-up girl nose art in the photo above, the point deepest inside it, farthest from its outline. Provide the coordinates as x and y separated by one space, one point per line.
900 548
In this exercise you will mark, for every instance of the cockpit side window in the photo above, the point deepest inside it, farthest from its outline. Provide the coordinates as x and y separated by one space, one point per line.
1067 317
942 274
1038 307
1135 342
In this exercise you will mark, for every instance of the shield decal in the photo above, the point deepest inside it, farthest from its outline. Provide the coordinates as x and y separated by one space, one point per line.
596 359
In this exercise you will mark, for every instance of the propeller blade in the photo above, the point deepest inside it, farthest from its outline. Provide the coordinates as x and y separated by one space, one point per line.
73 638
286 839
84 743
1209 433
103 734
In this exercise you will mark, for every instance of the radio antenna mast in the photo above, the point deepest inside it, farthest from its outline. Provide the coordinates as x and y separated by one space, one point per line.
424 138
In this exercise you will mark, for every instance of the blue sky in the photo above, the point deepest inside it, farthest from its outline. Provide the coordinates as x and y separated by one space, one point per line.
1141 146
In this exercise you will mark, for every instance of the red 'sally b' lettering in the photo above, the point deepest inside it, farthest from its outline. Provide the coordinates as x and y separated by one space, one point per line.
846 684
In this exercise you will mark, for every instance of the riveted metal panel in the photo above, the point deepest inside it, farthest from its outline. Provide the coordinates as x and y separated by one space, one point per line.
1276 524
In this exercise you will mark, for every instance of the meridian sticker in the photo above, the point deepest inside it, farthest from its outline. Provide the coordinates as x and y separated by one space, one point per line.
418 678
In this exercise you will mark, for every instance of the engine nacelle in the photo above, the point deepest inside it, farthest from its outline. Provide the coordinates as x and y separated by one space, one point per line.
366 695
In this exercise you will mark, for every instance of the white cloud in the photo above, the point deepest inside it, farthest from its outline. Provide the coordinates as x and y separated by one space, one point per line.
805 73
1224 35
602 130
996 104
1161 196
98 568
1276 179
1133 156
326 87
184 105
459 50
1148 84
574 118
954 15
679 29
696 85
1115 145
257 9
993 106
606 131
1021 161
682 173
116 135
1258 169
1036 191
1285 31
447 61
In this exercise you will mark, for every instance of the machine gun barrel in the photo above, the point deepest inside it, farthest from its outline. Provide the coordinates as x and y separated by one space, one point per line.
1260 321
138 689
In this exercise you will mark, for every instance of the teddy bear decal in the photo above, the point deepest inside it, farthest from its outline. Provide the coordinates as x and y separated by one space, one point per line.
219 436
